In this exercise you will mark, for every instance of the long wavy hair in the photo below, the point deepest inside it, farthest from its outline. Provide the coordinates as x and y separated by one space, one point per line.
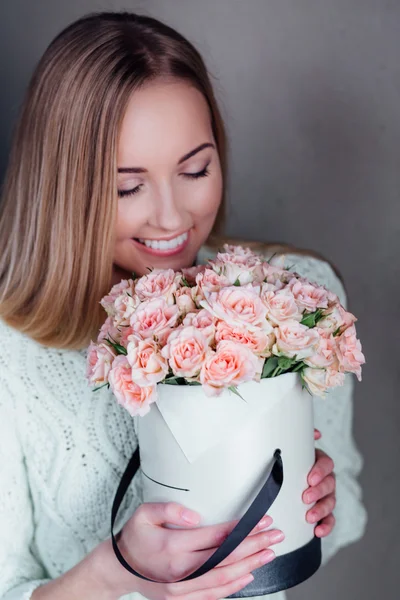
59 195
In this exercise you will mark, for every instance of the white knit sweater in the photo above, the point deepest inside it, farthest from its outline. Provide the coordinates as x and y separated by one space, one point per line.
63 450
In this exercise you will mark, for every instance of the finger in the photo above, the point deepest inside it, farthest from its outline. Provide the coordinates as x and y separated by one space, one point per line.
211 536
219 576
223 591
326 526
250 545
322 509
324 465
160 513
317 434
327 486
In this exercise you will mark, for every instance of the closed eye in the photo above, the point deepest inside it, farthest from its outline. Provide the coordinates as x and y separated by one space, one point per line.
199 174
135 190
122 193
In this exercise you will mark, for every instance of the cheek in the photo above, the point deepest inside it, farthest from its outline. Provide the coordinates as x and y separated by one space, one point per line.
131 215
205 200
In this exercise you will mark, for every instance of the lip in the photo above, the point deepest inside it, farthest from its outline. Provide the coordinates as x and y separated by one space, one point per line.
167 252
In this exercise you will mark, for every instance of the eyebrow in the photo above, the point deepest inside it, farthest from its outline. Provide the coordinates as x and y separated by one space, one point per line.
180 161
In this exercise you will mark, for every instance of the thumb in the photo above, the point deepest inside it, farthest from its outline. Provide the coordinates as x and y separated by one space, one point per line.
158 513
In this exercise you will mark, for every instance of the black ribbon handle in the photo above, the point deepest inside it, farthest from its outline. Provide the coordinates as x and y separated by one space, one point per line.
253 515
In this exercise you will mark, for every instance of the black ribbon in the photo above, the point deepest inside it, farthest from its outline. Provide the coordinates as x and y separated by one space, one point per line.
253 515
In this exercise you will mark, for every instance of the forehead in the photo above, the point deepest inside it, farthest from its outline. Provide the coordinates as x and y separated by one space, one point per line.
163 120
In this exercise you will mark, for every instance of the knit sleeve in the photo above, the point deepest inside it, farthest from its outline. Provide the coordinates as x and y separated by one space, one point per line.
334 418
20 572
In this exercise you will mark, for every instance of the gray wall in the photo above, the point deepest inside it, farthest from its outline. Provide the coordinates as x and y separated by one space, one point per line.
311 94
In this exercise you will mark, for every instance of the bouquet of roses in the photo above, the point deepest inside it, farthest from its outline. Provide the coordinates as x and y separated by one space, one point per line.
236 319
181 343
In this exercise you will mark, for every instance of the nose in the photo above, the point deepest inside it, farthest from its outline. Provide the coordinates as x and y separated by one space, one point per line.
167 214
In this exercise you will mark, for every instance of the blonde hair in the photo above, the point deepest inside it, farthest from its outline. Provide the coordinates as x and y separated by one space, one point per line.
59 195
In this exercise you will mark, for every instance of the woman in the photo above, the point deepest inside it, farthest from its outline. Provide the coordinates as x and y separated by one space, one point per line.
118 164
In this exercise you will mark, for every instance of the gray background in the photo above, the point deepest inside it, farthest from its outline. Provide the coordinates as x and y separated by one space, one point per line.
310 90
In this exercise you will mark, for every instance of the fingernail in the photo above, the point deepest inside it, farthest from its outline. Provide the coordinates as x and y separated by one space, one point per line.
310 497
313 517
264 522
266 557
190 517
277 536
246 580
314 479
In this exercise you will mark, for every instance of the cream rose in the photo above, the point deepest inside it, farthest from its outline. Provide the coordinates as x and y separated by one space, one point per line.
295 340
148 365
319 381
135 399
126 285
230 365
281 305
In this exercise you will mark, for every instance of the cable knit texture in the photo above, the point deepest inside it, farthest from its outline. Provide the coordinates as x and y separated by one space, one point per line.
64 448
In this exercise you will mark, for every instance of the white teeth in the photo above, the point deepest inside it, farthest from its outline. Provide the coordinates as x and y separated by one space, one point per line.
164 244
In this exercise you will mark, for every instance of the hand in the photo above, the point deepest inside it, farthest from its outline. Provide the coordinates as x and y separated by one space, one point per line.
167 554
322 490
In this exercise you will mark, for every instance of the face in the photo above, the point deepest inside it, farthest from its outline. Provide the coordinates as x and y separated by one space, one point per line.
169 179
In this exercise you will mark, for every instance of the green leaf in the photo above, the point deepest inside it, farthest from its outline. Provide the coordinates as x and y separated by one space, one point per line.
269 366
312 319
269 260
101 386
117 347
234 390
336 332
237 282
185 282
285 363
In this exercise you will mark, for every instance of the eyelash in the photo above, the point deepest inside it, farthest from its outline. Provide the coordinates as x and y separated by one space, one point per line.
203 173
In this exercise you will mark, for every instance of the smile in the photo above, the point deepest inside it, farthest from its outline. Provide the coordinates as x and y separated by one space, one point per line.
164 247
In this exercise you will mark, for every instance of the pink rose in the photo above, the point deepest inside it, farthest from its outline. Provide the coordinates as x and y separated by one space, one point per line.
131 396
210 281
258 341
109 330
238 305
309 297
204 321
148 365
238 268
154 319
281 305
158 283
336 318
275 275
186 351
184 299
98 364
325 352
245 253
124 307
349 352
319 381
108 301
190 273
230 365
295 340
